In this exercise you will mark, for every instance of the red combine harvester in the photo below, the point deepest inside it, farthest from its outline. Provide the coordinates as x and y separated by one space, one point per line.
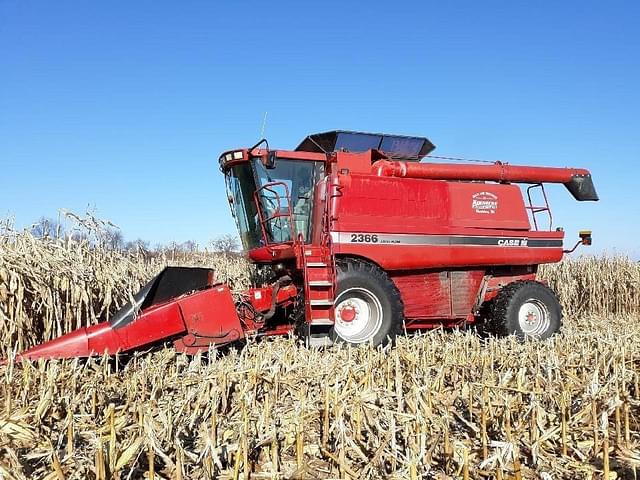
365 240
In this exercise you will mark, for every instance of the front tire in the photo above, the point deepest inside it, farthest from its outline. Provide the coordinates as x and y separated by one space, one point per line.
368 306
526 309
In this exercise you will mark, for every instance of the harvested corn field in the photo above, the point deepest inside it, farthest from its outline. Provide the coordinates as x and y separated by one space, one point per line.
438 405
444 404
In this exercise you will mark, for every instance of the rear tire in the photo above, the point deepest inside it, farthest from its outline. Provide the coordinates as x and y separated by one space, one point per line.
526 309
368 306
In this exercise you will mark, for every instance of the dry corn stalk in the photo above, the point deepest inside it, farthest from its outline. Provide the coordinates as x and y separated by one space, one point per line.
438 404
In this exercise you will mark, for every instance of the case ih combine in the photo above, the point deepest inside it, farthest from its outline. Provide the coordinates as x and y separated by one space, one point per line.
365 240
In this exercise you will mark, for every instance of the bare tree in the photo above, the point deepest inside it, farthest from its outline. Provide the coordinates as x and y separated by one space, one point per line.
189 246
137 245
227 244
79 236
47 228
114 239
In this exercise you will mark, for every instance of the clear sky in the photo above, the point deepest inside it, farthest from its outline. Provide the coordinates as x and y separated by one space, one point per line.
124 106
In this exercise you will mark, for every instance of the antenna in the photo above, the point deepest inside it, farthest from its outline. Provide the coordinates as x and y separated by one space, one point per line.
264 124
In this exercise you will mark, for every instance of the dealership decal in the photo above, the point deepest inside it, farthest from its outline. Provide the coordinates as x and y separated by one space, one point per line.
484 202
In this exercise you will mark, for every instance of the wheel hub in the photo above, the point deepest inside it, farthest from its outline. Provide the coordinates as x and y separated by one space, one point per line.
533 317
358 315
348 313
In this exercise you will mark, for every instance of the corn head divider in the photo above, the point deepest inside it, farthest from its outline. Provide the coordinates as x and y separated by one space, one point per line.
365 238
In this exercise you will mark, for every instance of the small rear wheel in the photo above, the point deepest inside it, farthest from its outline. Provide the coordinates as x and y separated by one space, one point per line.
526 309
368 307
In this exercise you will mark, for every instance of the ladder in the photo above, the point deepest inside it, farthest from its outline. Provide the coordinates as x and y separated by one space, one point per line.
319 271
319 292
535 209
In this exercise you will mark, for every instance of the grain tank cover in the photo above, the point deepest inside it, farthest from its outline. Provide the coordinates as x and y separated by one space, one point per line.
394 146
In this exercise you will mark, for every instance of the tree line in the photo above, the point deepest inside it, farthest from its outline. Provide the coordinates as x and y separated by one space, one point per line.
111 237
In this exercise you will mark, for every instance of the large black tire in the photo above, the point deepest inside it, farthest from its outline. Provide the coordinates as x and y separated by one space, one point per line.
526 309
367 292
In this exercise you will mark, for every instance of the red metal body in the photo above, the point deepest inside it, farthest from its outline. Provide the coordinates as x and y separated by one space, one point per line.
200 319
449 236
210 318
497 172
421 224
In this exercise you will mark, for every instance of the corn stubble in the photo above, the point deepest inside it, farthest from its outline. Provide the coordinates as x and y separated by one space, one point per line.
438 405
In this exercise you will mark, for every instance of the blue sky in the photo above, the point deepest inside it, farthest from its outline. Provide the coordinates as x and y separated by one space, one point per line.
125 106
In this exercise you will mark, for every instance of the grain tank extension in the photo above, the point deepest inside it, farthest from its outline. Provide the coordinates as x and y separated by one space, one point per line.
367 236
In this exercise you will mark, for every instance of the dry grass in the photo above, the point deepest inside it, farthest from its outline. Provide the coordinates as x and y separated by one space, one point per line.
440 405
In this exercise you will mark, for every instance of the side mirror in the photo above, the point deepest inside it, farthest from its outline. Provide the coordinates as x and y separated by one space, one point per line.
269 160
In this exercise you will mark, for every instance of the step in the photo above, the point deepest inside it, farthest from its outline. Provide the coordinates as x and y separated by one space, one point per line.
320 283
321 321
323 315
316 264
321 303
320 341
318 275
320 294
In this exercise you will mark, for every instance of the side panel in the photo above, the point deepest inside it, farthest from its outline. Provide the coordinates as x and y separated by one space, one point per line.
447 294
409 205
407 224
210 313
464 287
448 297
486 205
425 295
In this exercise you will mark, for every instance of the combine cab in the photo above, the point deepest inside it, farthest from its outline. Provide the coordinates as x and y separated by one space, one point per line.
366 240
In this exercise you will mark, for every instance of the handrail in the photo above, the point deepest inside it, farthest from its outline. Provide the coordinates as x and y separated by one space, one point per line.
278 213
538 209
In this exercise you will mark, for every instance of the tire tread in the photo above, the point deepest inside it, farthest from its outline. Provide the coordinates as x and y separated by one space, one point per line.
502 304
357 265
